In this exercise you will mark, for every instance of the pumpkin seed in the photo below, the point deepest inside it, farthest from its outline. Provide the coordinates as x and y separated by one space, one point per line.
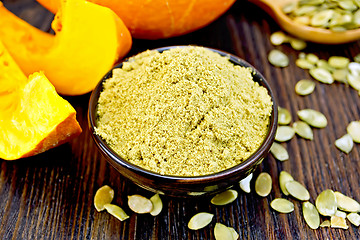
157 205
303 130
234 233
304 64
245 183
263 184
289 8
322 75
103 195
357 58
347 5
345 143
278 38
297 44
278 58
297 190
305 20
311 215
200 220
346 203
326 203
325 65
338 61
353 81
353 129
304 87
338 222
282 205
224 198
304 10
340 214
354 218
222 232
279 152
284 178
321 18
340 75
312 58
313 118
116 211
354 68
325 223
139 204
284 133
284 116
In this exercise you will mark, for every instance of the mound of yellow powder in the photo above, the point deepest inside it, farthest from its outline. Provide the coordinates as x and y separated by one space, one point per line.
186 112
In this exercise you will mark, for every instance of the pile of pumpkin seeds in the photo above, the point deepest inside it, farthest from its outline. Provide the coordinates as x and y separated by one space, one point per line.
335 15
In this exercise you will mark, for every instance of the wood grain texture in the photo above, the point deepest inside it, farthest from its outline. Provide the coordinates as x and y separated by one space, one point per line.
50 196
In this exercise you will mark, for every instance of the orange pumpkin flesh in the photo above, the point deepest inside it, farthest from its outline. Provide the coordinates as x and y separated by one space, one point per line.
154 19
88 40
33 117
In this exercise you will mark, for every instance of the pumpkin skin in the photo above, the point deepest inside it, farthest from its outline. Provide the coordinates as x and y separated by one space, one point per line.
155 19
89 39
33 117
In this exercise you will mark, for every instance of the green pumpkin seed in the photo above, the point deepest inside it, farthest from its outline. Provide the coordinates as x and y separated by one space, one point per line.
313 118
222 232
224 198
103 195
139 204
338 62
304 87
354 218
157 205
282 205
312 58
354 68
303 130
289 8
234 233
353 81
357 58
311 2
284 133
279 152
305 20
284 178
347 5
245 183
116 211
284 116
322 18
338 222
297 190
353 129
200 220
322 75
356 19
278 38
263 184
311 215
325 65
278 58
325 223
297 44
340 214
340 75
326 203
304 64
304 10
345 143
346 203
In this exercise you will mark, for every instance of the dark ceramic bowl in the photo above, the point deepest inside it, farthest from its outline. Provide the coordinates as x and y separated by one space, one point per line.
185 186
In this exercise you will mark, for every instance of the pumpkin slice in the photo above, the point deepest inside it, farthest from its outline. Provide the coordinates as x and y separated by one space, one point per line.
89 39
33 117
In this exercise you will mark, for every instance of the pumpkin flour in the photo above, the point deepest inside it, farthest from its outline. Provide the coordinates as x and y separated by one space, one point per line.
185 112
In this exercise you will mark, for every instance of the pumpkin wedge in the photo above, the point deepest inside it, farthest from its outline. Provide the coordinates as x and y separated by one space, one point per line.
89 39
33 117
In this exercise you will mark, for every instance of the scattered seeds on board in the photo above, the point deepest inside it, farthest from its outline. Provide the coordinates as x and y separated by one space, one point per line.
222 232
139 204
284 133
338 62
338 222
200 220
282 205
297 190
340 214
303 130
284 177
263 184
346 203
311 215
353 129
354 218
278 58
157 205
279 152
313 118
116 211
326 203
284 116
345 143
304 87
245 183
223 198
322 75
103 195
278 38
325 223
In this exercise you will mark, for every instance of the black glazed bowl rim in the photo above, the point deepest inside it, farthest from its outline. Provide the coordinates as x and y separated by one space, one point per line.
246 166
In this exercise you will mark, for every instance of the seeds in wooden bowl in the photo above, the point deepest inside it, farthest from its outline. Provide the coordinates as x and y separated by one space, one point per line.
326 203
354 218
263 184
303 130
338 222
284 177
139 204
311 215
345 143
284 133
282 205
103 195
157 205
278 58
279 152
297 190
116 211
304 87
346 203
353 129
223 198
222 232
284 116
313 118
200 220
245 183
